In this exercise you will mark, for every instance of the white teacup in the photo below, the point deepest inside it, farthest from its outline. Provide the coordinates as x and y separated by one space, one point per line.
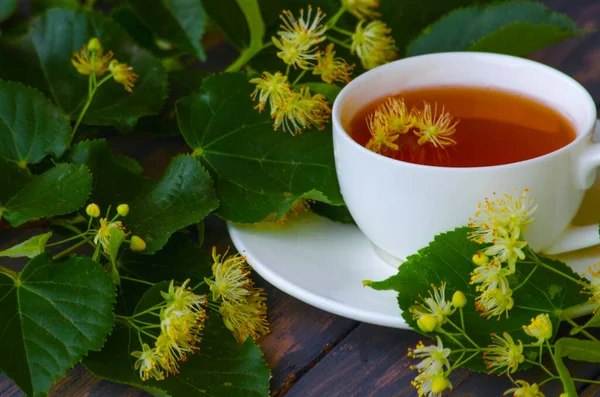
401 206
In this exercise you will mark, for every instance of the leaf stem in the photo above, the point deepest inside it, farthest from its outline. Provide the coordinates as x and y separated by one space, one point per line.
451 337
334 19
66 240
542 366
201 283
88 102
71 248
457 363
342 31
464 334
580 310
526 278
137 280
583 331
339 42
9 272
539 262
299 77
586 380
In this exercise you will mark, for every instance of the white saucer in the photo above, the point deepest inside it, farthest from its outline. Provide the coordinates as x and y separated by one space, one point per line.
323 263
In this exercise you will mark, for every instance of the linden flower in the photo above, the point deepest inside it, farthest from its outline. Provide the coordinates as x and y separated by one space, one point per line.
247 318
594 285
436 305
105 231
330 68
274 88
169 352
302 110
508 248
502 215
89 61
495 302
232 280
148 363
491 276
540 328
435 358
396 115
373 44
504 355
433 127
524 390
182 298
123 74
362 9
299 37
382 137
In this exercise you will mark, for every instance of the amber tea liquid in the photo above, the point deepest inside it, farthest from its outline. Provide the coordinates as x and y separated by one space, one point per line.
495 128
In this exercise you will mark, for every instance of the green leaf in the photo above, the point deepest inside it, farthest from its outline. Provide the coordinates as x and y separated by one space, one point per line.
448 259
51 317
408 18
29 248
515 28
258 172
560 350
578 349
42 58
183 197
129 21
31 127
7 8
181 22
113 183
58 191
221 368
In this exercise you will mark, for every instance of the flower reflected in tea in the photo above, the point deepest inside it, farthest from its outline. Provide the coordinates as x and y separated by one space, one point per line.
434 128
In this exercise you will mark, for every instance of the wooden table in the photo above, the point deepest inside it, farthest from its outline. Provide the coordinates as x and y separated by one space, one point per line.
315 353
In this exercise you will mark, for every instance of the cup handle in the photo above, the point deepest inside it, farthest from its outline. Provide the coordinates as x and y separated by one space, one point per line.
578 237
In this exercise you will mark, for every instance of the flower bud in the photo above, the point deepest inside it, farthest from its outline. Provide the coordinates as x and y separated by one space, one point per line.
459 299
427 323
137 244
94 45
93 210
480 259
439 383
123 209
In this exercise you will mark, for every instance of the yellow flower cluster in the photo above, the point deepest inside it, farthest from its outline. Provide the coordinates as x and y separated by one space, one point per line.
373 44
432 379
362 9
504 355
524 389
392 118
91 61
108 226
499 224
296 108
182 318
434 310
242 306
290 109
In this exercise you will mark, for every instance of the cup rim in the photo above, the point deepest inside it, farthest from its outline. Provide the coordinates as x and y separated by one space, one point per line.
337 124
